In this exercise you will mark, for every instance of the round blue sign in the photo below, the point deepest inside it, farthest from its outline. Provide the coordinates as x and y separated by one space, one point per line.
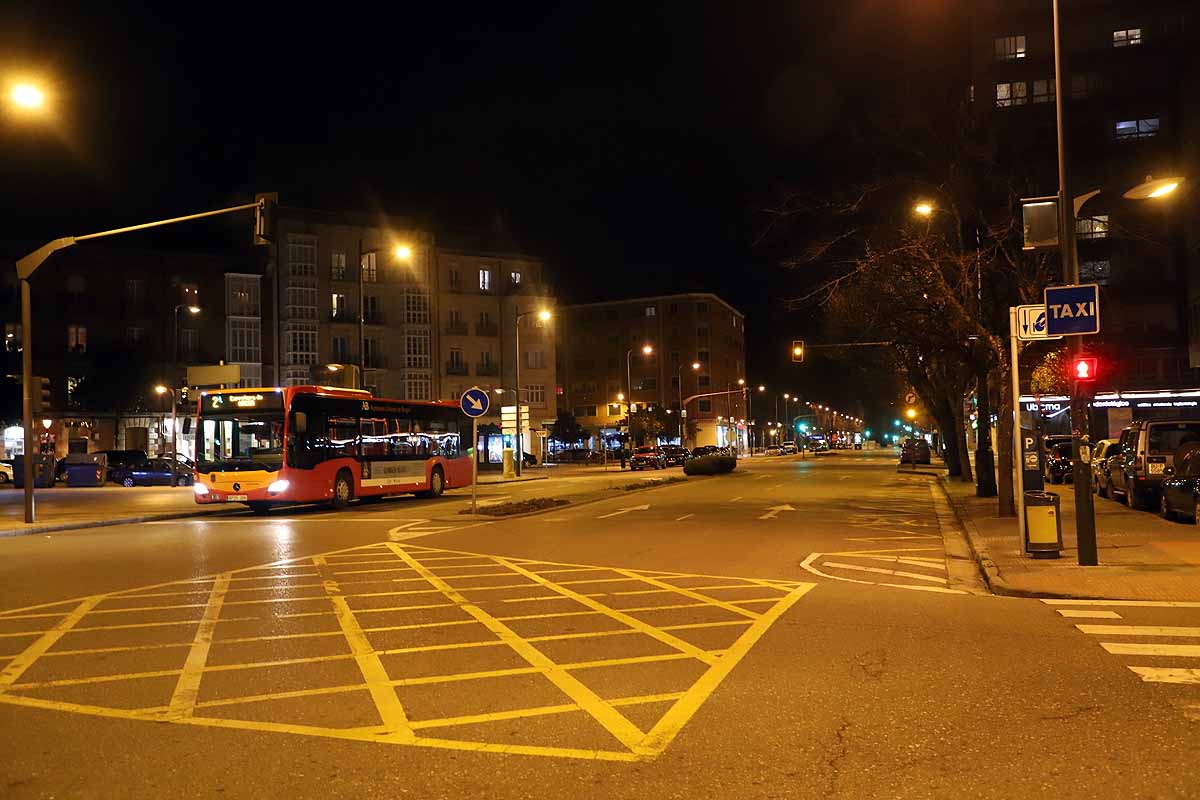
474 402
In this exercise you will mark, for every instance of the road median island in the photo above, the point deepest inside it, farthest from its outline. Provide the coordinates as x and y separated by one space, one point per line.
633 486
519 507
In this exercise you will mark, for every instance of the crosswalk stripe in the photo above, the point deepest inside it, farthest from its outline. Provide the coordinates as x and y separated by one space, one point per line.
898 573
1124 649
1139 630
1085 614
1167 674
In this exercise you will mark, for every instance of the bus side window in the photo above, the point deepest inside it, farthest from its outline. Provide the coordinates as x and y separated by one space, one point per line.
343 437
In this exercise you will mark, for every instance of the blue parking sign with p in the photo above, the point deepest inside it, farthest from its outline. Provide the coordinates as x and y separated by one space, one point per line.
1072 310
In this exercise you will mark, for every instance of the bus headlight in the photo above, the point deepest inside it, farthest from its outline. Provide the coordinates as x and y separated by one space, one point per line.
200 489
278 486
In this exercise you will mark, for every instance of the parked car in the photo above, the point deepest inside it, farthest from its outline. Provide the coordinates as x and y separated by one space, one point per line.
648 457
915 451
1101 453
788 448
675 455
153 472
6 471
1181 488
1059 466
121 458
1147 450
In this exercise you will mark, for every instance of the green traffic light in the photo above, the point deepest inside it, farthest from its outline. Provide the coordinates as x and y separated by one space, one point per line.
896 422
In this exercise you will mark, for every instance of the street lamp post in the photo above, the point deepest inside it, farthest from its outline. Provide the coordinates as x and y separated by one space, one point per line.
193 310
162 389
402 252
646 350
544 316
682 413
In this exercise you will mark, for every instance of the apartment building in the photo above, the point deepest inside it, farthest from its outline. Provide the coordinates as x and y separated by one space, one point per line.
601 348
481 295
355 289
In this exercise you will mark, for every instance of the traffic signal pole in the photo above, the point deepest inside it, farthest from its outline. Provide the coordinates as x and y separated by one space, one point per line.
25 269
1085 516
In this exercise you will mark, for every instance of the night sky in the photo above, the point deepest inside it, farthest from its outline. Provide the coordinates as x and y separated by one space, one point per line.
632 145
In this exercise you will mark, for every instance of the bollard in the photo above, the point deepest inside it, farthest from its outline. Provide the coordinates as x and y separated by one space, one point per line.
509 464
1043 527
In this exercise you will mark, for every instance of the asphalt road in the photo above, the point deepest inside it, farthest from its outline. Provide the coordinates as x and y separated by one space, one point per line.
795 629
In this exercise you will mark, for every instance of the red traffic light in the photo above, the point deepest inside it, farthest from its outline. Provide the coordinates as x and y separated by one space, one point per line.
1084 369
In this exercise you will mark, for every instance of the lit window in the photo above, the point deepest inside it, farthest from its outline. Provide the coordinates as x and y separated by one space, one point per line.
77 338
1136 128
485 280
1127 37
1095 227
515 277
339 307
1004 97
1043 91
651 311
1010 47
369 273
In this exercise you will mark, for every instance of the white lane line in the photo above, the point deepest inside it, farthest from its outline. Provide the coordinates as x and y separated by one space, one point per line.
1083 613
685 516
928 563
1142 603
807 564
898 573
1167 674
1139 630
1134 649
760 477
845 478
735 499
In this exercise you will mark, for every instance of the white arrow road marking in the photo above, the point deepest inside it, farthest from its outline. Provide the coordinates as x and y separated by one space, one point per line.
685 516
773 512
496 500
624 511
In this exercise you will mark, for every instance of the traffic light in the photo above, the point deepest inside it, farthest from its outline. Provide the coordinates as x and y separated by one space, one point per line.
264 217
1084 368
798 351
40 395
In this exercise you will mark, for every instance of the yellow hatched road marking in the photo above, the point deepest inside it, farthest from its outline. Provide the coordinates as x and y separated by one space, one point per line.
695 595
16 668
387 703
612 720
538 711
625 619
183 699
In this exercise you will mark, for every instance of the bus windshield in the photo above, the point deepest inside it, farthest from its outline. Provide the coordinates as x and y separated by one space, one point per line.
240 432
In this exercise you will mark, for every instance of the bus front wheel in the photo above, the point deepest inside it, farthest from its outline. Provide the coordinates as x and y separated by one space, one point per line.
343 489
437 484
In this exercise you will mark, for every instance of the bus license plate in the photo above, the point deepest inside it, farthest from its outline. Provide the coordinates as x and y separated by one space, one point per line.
1156 469
233 498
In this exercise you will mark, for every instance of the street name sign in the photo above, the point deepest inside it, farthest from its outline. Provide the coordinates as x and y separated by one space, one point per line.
1072 310
1031 323
474 402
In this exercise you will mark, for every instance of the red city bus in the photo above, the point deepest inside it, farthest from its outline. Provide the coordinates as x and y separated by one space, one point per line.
311 444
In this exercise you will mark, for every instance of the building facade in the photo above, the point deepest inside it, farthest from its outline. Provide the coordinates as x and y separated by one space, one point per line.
1130 88
603 368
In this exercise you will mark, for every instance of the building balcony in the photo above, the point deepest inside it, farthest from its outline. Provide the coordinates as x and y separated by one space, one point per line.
344 317
374 318
487 329
487 369
457 369
455 329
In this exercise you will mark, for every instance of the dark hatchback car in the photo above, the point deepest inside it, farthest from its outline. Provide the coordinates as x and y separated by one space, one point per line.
648 458
915 451
706 450
1181 489
1059 466
674 455
153 472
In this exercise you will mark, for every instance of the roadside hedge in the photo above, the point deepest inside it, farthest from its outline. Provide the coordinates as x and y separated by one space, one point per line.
709 465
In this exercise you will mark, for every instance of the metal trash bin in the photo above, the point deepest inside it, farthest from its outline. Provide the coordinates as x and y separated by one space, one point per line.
85 475
1043 526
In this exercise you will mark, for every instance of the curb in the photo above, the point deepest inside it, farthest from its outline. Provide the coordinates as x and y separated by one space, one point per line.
522 479
568 506
987 567
108 523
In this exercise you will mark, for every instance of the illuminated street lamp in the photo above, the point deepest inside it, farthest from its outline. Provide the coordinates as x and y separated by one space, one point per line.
923 209
647 349
911 413
543 315
160 390
27 96
402 252
682 412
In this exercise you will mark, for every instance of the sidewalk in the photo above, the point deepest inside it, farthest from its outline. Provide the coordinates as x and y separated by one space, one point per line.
1142 556
63 508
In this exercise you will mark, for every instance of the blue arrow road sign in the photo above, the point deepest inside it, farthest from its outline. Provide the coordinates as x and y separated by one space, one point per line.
1072 310
474 402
